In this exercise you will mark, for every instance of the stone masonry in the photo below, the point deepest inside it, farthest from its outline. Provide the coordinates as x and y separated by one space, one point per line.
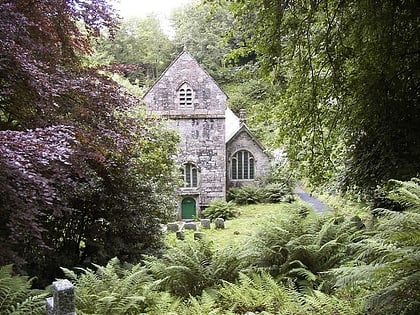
244 140
201 127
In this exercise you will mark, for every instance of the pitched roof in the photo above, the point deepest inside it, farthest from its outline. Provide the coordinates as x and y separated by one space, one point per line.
234 128
182 53
232 124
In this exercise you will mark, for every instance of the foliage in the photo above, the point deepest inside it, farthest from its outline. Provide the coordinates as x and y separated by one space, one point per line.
254 293
200 28
245 195
219 208
139 49
192 266
346 76
16 295
259 292
386 263
278 192
302 247
88 181
114 289
36 84
252 194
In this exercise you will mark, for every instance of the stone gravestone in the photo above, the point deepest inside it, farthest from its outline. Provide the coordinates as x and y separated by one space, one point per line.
199 236
62 301
220 223
205 223
190 226
180 235
173 227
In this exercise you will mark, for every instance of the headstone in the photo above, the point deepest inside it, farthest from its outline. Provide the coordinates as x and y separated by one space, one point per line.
190 226
199 236
220 223
180 235
62 301
205 223
173 227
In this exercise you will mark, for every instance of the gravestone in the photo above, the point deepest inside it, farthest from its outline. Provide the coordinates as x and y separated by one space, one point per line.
205 223
62 301
220 223
190 226
180 235
173 227
199 236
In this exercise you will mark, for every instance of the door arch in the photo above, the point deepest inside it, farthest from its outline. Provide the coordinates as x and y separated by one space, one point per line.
188 208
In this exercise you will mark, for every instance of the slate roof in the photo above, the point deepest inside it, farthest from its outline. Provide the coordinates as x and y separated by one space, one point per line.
232 124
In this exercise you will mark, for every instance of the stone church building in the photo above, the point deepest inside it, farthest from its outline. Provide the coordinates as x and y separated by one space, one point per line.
217 150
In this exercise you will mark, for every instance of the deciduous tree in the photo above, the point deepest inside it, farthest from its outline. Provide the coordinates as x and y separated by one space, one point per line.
84 180
349 111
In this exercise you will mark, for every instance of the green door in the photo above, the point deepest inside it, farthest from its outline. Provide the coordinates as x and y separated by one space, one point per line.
188 208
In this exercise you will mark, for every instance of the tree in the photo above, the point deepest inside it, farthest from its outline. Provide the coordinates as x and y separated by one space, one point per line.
201 28
349 111
88 181
140 47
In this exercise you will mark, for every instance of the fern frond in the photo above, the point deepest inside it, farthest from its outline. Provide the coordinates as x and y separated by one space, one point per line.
16 295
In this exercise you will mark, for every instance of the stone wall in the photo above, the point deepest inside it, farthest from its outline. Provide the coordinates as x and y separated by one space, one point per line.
202 127
209 99
203 143
244 141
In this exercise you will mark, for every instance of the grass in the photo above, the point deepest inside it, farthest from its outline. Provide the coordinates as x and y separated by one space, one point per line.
237 230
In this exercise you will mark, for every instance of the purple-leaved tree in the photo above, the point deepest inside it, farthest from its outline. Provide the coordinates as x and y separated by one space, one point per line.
82 181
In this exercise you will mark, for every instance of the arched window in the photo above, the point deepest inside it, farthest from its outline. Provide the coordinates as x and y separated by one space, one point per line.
190 173
242 165
185 96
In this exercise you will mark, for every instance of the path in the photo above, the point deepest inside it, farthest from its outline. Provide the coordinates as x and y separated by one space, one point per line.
317 204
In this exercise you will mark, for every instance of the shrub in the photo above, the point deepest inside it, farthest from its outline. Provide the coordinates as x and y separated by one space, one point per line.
245 195
278 192
219 208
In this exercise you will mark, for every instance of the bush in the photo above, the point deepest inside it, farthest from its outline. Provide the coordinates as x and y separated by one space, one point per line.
245 195
278 192
219 208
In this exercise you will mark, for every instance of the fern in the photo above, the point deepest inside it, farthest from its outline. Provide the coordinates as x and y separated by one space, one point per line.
305 248
219 208
245 195
204 304
112 289
256 292
323 304
190 267
16 295
387 261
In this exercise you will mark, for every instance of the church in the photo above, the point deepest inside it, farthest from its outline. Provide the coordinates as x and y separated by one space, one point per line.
217 151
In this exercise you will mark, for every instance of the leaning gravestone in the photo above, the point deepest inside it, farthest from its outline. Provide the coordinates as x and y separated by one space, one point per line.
199 236
205 223
220 223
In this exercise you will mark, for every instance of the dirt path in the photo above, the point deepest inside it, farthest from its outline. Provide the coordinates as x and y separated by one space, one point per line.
305 196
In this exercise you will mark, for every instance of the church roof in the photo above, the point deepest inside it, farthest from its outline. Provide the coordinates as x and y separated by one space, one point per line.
186 54
234 127
232 124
